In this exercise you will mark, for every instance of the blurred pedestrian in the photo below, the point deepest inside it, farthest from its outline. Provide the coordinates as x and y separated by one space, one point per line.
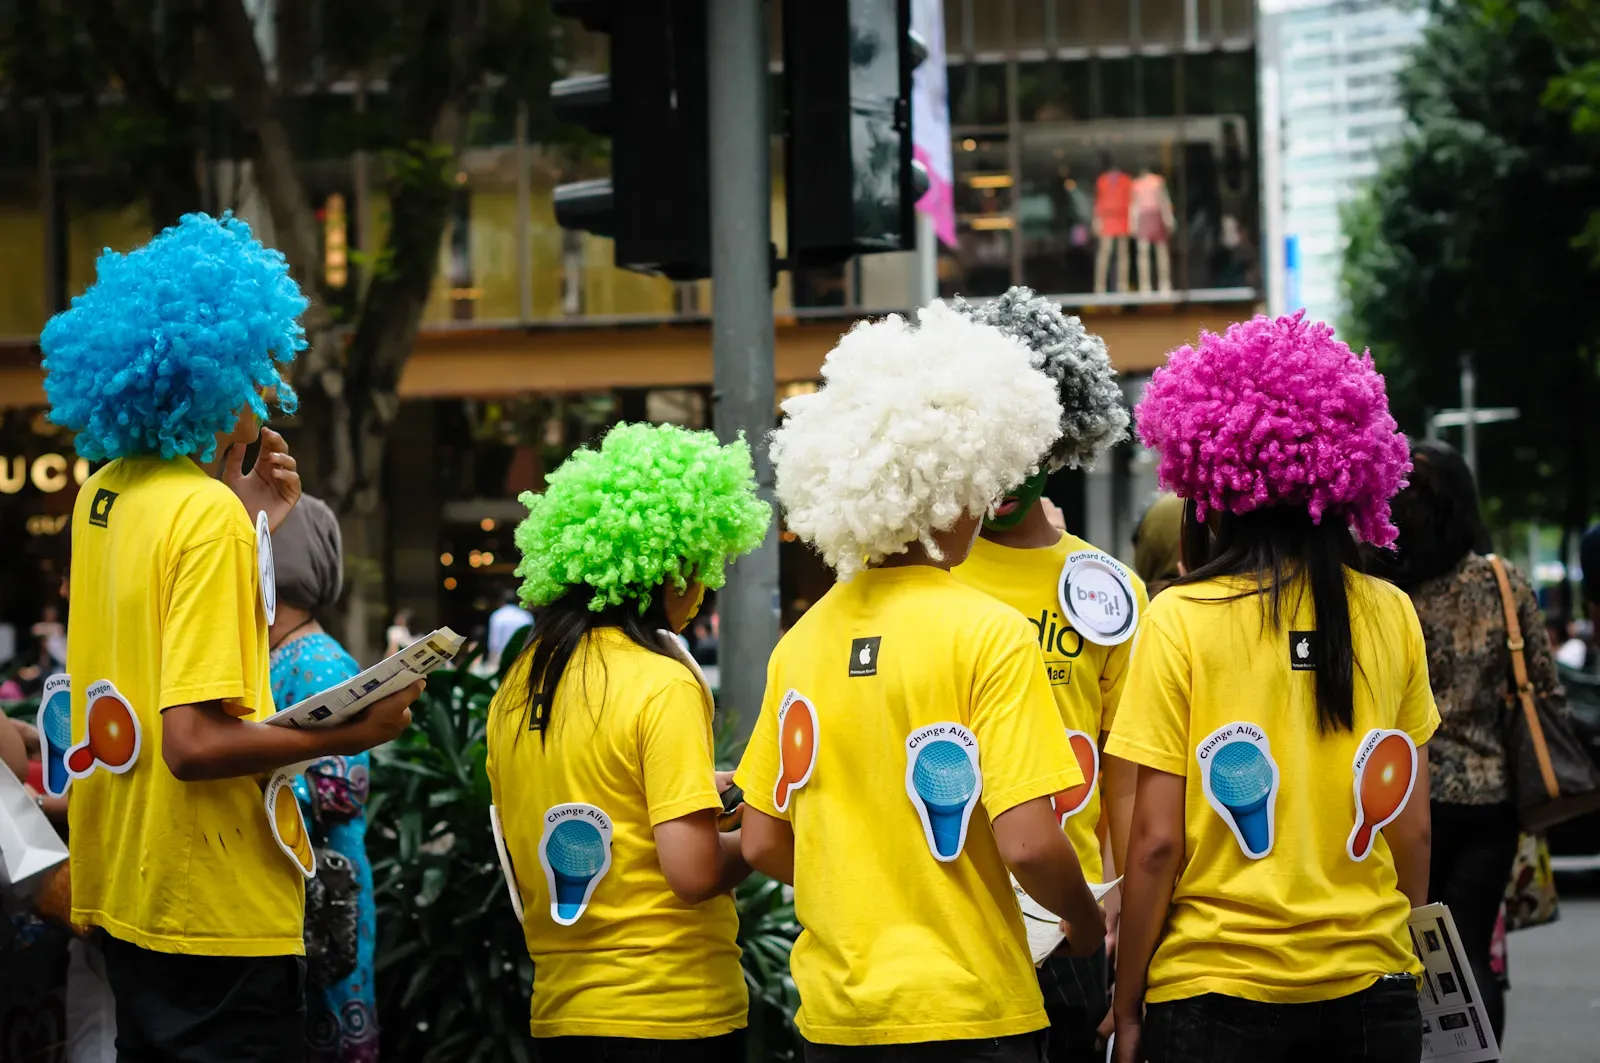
1439 561
1156 554
1279 712
600 753
341 1018
52 636
505 622
399 636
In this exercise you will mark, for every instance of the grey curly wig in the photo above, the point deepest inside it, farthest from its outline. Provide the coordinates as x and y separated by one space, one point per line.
1093 417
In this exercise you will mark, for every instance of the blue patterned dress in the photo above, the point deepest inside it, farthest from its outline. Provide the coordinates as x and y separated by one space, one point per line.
342 1020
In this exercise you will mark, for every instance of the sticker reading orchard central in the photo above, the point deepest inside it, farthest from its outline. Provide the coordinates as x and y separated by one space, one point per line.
1097 597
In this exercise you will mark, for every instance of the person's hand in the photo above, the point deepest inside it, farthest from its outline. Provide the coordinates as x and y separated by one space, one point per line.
732 819
30 736
380 723
1108 1025
273 484
1129 1032
1053 514
1083 941
724 780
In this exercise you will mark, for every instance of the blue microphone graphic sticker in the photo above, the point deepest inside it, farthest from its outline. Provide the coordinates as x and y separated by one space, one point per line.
944 783
1240 780
575 850
1097 598
55 733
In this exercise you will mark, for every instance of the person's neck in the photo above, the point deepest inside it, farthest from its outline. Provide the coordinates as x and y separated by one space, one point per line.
1033 532
914 554
290 625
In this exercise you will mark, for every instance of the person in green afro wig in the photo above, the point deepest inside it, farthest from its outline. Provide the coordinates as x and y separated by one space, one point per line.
617 855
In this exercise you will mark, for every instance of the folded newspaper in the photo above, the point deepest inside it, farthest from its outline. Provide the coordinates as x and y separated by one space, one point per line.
1044 929
1455 1026
337 704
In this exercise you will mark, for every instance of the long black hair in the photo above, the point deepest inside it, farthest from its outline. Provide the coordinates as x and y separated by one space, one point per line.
1284 553
559 632
1438 517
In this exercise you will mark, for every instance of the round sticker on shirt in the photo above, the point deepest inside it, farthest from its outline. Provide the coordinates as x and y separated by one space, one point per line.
797 747
1070 802
289 824
1240 780
1097 598
944 783
268 571
575 850
111 736
1385 770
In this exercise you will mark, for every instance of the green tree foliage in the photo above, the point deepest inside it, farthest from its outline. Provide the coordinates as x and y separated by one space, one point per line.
1469 240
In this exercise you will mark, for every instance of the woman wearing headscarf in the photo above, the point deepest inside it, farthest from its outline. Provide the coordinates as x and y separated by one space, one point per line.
1279 712
1156 557
341 1019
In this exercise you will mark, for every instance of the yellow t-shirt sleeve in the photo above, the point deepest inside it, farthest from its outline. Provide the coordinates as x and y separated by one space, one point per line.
676 755
757 774
1022 748
1152 728
1114 676
211 646
1418 716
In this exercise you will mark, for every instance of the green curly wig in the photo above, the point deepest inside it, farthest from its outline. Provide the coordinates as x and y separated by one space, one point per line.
655 502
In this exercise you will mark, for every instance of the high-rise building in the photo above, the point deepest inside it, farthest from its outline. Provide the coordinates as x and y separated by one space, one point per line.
1329 107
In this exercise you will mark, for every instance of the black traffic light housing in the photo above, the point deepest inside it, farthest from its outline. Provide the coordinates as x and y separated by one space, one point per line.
653 105
852 182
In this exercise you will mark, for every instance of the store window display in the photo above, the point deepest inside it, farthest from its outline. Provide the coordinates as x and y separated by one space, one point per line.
1152 221
1113 198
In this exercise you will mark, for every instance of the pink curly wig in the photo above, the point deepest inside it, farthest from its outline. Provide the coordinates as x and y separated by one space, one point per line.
1277 413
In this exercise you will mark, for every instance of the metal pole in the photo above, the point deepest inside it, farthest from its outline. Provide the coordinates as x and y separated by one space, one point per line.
1469 410
524 210
741 329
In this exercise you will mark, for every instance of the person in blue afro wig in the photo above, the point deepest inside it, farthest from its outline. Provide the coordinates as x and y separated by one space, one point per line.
164 351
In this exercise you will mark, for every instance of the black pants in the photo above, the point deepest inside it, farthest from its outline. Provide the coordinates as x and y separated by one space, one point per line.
1076 1000
1022 1048
728 1048
199 1009
1474 847
1382 1024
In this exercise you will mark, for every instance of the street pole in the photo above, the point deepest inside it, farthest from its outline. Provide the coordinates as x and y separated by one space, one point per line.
741 329
1469 409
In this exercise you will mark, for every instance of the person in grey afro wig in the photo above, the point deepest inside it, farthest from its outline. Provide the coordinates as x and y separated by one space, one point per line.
1093 417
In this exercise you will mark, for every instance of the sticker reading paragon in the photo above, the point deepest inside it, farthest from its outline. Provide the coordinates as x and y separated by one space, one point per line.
266 568
1240 780
1070 802
288 823
1385 771
575 851
944 784
1097 598
111 737
797 747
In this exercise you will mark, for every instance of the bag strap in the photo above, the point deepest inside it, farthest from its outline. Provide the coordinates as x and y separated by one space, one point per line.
1519 672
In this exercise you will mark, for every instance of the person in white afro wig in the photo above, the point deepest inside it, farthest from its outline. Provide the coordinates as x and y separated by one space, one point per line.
913 427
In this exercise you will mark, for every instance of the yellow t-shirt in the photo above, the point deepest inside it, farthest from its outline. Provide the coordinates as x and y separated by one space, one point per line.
166 605
901 680
1086 678
615 951
1283 896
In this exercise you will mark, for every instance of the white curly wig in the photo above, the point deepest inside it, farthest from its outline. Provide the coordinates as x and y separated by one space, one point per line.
913 427
1093 417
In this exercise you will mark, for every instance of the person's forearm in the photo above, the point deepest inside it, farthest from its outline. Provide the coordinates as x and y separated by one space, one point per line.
13 751
734 868
208 748
1119 783
1146 893
1055 880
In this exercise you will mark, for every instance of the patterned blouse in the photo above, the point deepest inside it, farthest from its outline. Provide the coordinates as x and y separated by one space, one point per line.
1469 669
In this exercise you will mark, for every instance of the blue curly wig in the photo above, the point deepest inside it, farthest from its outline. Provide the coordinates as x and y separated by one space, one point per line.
162 350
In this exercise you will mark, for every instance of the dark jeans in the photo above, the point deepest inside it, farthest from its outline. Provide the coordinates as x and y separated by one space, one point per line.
728 1048
1382 1024
1076 1000
199 1009
1474 847
1022 1048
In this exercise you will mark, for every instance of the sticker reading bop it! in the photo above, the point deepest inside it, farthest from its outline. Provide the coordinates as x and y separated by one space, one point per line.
944 783
1240 780
797 747
1385 771
55 733
265 566
1075 799
575 850
110 733
1097 598
506 869
288 823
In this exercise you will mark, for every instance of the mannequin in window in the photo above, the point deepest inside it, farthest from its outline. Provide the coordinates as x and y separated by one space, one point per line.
1112 192
1151 219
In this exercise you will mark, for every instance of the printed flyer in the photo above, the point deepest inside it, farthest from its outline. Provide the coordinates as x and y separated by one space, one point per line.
1455 1026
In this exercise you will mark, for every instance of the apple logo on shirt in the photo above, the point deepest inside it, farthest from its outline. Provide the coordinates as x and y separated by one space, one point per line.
1301 655
864 656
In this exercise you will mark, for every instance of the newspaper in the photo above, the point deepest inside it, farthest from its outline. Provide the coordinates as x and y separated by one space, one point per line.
337 704
1044 929
1455 1026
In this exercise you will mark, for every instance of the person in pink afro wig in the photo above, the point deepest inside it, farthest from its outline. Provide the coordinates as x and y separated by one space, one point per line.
1277 412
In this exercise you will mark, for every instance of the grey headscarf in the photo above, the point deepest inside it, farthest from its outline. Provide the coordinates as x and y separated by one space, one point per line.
309 555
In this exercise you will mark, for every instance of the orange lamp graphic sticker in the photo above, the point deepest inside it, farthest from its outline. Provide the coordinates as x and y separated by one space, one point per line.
288 825
1385 771
1071 801
797 747
110 733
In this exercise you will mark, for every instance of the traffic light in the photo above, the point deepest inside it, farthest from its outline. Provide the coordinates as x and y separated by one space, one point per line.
656 205
852 182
